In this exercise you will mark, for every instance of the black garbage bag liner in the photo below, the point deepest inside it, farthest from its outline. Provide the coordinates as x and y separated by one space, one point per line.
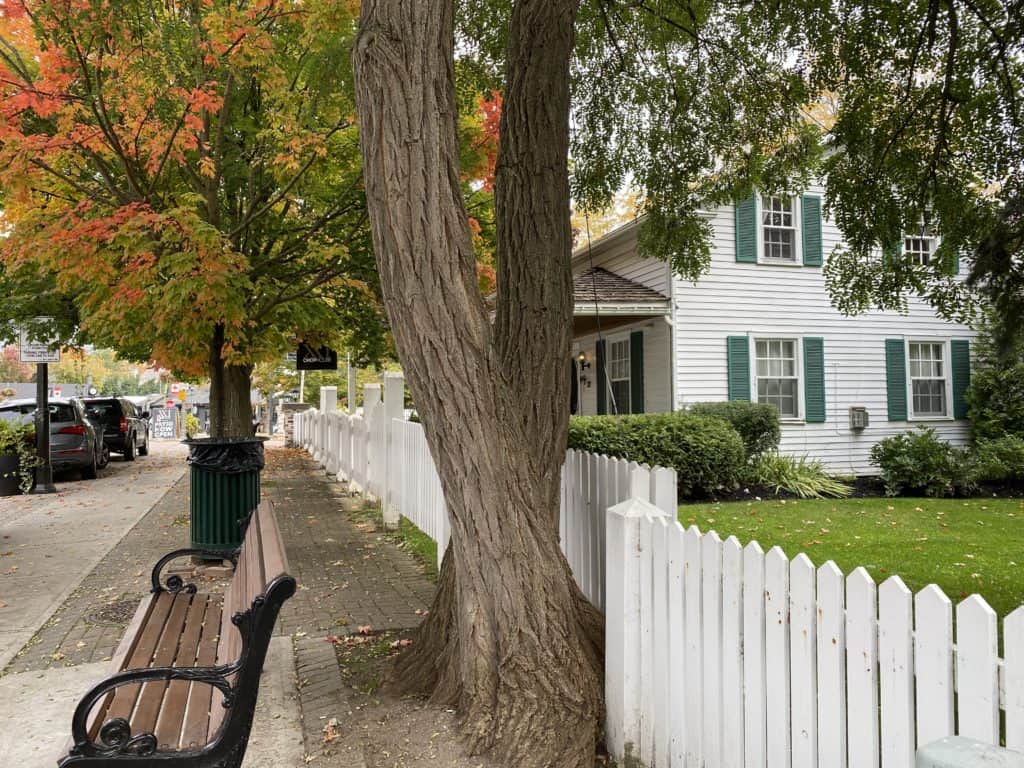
226 455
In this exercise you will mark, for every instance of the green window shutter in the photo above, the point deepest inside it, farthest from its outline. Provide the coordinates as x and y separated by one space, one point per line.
738 357
636 372
814 379
602 379
746 231
891 252
896 379
574 388
960 366
810 226
951 263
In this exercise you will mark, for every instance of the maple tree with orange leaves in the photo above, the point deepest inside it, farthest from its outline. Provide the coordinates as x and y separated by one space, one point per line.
181 182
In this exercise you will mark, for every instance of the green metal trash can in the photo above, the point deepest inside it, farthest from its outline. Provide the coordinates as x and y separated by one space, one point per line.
225 478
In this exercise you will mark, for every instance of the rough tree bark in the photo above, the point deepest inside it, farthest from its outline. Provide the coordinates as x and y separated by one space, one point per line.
510 638
230 403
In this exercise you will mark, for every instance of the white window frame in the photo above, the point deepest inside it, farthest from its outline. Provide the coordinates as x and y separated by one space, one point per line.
947 371
798 352
614 407
923 234
798 255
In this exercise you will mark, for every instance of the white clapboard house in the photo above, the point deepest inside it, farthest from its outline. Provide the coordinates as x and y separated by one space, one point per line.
760 326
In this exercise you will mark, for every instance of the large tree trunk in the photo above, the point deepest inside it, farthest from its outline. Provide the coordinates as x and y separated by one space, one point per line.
510 639
230 404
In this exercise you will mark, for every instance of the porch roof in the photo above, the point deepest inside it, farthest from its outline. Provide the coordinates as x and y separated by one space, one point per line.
598 290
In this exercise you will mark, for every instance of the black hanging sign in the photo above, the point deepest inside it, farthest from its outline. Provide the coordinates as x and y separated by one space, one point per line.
316 359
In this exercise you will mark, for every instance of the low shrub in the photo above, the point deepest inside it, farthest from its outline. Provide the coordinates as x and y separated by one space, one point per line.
998 461
919 463
707 453
19 440
757 423
802 477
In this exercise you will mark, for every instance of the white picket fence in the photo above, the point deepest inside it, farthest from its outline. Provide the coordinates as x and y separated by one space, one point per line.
722 656
734 657
407 483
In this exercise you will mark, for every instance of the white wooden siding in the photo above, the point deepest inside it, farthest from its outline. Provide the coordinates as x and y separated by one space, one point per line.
657 364
791 301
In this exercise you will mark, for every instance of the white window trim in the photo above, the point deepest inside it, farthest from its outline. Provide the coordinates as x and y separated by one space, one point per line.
935 240
798 351
609 340
947 376
798 245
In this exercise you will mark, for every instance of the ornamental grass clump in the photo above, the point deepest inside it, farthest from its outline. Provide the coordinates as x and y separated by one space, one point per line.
802 477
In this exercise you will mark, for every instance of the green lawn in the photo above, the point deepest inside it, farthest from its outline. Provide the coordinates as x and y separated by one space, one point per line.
963 545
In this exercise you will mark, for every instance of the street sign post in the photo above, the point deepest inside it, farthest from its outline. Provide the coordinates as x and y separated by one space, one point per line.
44 472
41 352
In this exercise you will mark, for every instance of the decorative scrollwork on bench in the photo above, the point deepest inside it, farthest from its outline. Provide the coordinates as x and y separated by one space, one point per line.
116 738
175 583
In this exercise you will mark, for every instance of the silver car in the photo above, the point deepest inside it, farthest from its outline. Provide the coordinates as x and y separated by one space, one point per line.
73 439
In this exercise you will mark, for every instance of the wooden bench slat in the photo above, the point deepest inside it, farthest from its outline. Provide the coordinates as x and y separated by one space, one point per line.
274 561
140 658
254 582
230 640
200 695
150 700
172 711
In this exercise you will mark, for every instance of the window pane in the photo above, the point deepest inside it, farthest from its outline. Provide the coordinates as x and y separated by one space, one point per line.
929 397
620 393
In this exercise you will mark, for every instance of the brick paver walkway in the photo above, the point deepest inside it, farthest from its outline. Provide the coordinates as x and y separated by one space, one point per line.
350 576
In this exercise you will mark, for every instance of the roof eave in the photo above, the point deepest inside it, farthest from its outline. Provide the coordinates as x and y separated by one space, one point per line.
602 308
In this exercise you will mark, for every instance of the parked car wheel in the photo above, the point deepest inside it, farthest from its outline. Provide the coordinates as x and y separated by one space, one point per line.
104 458
144 448
129 449
89 472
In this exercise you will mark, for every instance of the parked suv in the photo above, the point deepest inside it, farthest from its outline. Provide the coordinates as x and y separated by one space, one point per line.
74 443
125 428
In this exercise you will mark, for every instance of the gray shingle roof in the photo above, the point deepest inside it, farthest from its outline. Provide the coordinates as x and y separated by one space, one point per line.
604 287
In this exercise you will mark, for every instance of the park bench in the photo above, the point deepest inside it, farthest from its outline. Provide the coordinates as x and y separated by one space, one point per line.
186 675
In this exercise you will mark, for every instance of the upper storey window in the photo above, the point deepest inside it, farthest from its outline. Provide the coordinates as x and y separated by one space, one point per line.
778 228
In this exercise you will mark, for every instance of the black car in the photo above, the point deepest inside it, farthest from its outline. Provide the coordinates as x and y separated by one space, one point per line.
125 428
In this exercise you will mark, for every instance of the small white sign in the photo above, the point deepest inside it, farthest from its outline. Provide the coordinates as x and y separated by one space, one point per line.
291 357
56 391
174 388
38 351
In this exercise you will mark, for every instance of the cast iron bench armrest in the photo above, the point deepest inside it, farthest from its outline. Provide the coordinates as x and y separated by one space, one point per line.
175 583
115 735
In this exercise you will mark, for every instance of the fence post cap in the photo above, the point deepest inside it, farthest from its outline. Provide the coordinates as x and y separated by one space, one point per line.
634 507
955 751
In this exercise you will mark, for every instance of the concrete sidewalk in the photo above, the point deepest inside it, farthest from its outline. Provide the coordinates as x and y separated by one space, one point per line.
49 543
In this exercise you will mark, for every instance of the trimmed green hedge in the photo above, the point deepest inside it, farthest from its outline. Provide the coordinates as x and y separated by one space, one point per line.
757 423
707 453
